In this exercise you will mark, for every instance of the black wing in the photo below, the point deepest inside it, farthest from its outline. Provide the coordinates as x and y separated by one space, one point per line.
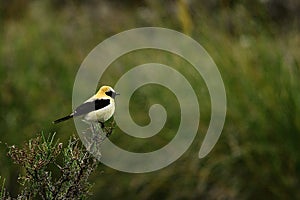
91 106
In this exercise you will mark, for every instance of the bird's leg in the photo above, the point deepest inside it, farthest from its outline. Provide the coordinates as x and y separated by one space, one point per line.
102 124
110 129
104 129
107 130
108 133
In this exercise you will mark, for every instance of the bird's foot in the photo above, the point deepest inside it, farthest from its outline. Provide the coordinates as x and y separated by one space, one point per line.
101 124
109 129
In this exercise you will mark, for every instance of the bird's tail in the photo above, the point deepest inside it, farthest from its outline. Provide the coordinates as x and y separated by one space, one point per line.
63 119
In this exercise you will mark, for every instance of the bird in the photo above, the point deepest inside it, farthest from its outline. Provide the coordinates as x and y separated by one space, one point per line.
99 108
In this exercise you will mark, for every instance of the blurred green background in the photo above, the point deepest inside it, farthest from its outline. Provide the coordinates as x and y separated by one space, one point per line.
255 44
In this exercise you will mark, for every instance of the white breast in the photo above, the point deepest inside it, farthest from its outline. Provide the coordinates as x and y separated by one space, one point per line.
101 115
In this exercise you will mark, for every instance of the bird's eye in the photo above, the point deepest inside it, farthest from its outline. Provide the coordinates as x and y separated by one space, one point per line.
109 93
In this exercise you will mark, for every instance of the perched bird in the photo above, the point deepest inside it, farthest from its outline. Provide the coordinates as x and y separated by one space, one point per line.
98 108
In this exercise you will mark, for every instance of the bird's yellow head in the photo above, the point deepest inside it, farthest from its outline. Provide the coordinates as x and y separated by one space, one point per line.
106 91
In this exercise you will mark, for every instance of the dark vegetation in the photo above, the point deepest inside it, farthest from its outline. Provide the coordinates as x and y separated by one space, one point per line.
51 171
255 44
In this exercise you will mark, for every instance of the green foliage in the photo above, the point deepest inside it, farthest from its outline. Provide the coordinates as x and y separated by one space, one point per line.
39 156
3 193
255 45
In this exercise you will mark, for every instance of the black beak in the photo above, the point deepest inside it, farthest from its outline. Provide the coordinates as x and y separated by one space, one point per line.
114 95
